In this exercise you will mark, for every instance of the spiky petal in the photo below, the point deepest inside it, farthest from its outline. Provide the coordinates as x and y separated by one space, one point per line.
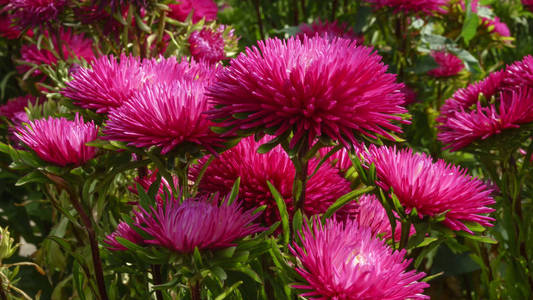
409 6
202 223
123 231
315 87
255 169
344 261
432 188
59 140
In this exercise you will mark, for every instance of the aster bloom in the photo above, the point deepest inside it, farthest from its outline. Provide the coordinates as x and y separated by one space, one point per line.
59 140
520 73
344 261
123 231
425 6
464 98
200 9
207 45
449 64
497 26
256 169
73 46
315 87
528 4
164 115
462 128
202 223
32 13
330 30
16 105
107 84
432 188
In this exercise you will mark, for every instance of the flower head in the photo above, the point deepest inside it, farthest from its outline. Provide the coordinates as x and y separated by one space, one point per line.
426 6
313 88
520 73
461 128
16 105
59 140
256 169
206 224
30 13
207 45
123 231
8 28
164 115
329 30
449 64
73 46
199 8
528 4
432 188
344 261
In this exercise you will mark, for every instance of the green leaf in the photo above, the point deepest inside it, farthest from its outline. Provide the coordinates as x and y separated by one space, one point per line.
471 23
297 221
343 200
77 278
282 212
228 291
234 191
35 176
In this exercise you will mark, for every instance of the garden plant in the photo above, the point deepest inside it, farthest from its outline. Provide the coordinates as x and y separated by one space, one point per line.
266 149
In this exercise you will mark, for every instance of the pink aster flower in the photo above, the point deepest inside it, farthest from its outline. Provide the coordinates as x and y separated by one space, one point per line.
449 64
432 188
464 98
520 73
330 30
528 4
312 88
164 115
371 214
31 13
16 105
426 6
107 84
73 46
59 140
462 128
199 8
207 45
344 261
123 231
255 169
206 224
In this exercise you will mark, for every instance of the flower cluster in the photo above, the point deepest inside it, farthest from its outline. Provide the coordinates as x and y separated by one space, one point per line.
449 64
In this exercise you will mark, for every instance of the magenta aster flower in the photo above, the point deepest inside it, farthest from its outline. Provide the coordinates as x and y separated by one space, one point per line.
497 26
16 105
255 169
316 88
461 128
432 188
344 261
202 223
73 46
426 6
449 64
464 98
207 45
31 13
520 73
59 140
164 115
199 8
528 4
123 231
330 30
107 84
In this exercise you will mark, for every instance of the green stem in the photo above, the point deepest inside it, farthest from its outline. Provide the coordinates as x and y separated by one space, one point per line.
406 229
